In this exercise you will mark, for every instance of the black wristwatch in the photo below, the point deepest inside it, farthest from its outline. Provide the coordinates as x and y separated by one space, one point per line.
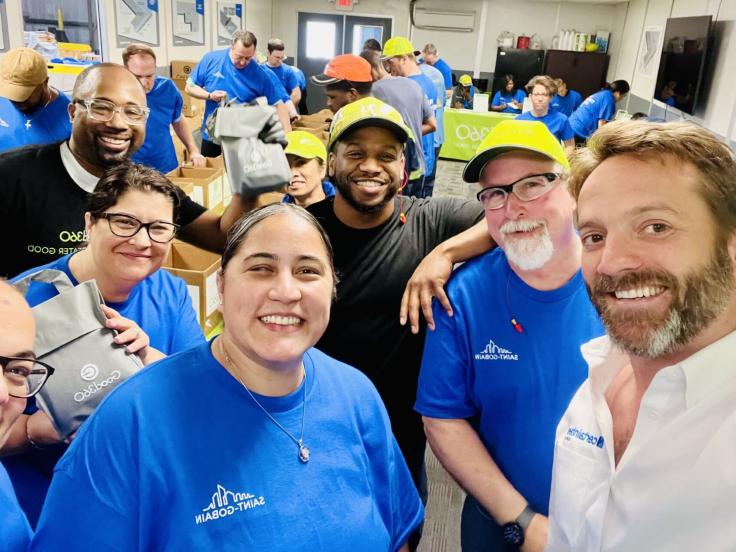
513 532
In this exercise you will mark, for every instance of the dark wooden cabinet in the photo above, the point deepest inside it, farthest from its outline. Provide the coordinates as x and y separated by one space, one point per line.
582 71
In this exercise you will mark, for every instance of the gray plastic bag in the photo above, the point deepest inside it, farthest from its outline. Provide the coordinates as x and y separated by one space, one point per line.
71 336
252 141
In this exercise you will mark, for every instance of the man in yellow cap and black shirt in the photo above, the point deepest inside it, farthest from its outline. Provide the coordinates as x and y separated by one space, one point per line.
379 238
497 376
31 111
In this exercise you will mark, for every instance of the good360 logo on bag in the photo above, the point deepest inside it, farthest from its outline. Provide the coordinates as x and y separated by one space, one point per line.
90 372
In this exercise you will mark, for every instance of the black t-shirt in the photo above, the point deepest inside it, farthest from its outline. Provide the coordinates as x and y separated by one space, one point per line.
42 209
373 266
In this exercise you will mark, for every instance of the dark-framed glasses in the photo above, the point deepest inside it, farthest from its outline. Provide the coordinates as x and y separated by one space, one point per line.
528 188
104 110
24 376
125 226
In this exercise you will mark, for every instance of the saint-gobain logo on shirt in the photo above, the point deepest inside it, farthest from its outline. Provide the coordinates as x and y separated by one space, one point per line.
226 503
89 372
494 352
585 437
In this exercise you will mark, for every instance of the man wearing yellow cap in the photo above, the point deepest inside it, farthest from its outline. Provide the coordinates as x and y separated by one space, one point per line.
400 58
498 375
31 111
307 158
462 95
379 238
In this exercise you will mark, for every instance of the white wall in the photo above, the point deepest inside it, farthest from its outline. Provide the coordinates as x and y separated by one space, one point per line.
719 111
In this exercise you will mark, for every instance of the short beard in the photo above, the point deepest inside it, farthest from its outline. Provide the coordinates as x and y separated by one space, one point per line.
346 191
530 252
697 299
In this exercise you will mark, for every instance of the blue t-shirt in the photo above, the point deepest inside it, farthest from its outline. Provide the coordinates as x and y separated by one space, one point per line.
457 97
216 71
15 532
44 125
281 92
179 457
503 97
514 387
300 77
555 122
430 93
165 102
287 77
599 106
327 187
566 104
439 111
161 306
441 64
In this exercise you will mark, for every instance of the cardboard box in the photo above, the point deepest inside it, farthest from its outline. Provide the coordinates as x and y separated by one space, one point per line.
182 68
192 107
207 180
198 268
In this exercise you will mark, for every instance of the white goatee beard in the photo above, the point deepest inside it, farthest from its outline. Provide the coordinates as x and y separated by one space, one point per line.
529 252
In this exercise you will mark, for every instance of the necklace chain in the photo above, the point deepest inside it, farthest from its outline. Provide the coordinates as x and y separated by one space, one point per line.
304 452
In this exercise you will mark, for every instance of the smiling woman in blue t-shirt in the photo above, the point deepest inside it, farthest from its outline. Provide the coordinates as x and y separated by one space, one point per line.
254 441
129 225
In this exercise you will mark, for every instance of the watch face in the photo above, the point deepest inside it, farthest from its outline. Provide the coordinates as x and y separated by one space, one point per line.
513 534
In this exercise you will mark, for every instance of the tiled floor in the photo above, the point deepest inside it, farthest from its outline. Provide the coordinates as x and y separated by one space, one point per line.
442 525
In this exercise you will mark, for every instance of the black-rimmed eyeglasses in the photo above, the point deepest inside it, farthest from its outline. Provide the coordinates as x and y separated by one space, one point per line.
528 188
126 226
104 111
24 376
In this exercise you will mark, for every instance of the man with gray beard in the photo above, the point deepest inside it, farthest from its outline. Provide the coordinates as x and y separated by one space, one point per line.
497 376
644 456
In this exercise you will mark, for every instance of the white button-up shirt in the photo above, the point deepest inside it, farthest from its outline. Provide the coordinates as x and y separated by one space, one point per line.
674 488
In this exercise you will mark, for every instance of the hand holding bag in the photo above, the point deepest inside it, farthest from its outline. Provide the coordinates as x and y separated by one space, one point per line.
71 336
252 140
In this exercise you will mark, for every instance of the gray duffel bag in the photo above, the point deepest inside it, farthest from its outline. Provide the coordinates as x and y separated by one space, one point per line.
72 337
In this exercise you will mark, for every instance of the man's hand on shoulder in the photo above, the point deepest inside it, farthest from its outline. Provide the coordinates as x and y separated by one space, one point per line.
427 281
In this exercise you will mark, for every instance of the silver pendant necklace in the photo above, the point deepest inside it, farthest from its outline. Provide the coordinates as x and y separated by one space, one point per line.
304 452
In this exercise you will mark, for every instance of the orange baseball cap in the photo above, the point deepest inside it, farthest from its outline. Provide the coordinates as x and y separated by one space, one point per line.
346 67
21 71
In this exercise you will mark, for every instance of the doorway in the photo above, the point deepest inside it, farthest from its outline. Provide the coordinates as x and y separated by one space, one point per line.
322 36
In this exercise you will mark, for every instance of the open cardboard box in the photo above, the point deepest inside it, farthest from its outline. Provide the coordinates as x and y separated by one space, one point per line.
198 268
207 182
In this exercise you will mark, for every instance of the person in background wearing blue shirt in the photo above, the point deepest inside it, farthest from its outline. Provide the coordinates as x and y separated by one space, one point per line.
253 441
307 158
129 226
287 76
541 89
165 102
232 73
497 376
302 79
462 96
31 111
432 57
565 101
400 57
21 379
509 99
597 110
439 111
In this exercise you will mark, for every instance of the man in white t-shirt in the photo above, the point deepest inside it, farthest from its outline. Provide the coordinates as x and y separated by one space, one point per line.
644 455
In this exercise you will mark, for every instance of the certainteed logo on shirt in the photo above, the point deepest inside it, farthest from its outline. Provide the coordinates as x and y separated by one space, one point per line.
219 75
226 503
584 436
4 124
494 352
